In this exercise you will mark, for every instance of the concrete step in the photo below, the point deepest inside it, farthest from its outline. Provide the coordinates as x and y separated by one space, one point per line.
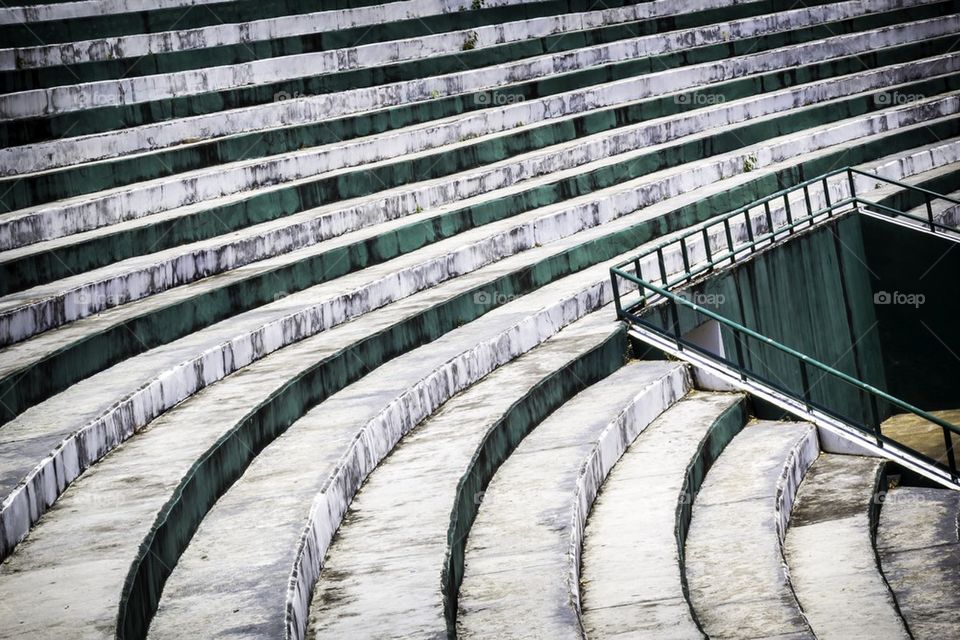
97 237
156 47
919 555
103 410
97 525
738 584
66 23
197 599
830 554
521 563
89 140
632 579
160 318
503 36
272 140
44 308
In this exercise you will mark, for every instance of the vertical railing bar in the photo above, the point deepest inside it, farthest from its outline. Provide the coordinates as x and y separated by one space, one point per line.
926 197
707 249
685 256
729 234
766 208
746 215
805 383
951 458
663 267
616 295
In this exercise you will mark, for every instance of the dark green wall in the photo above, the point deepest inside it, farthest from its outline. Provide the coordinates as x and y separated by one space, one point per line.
814 295
918 326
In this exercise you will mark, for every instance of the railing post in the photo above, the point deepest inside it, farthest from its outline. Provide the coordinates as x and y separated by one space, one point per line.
729 234
805 383
850 181
738 342
927 199
663 267
786 208
806 198
616 295
951 458
746 217
877 432
685 255
640 288
707 249
826 197
676 324
766 209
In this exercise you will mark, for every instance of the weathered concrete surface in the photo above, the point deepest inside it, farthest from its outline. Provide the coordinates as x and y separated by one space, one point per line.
154 381
830 554
329 451
920 558
738 584
631 579
109 144
381 573
522 555
45 306
197 37
75 535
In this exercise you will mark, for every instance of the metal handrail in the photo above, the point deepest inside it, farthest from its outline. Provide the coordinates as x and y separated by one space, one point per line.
651 294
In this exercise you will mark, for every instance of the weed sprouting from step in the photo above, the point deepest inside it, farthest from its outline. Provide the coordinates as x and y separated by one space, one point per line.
471 42
476 5
750 163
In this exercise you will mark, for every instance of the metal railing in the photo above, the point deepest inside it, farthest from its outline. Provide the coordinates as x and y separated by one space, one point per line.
643 294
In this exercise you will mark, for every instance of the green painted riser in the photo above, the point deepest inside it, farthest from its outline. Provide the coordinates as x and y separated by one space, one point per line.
20 192
80 360
182 18
23 80
110 118
220 466
500 441
721 432
45 267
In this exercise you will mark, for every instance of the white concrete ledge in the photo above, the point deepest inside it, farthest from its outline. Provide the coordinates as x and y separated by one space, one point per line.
47 155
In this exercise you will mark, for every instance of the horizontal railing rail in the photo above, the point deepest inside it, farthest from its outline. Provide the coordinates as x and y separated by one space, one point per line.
721 241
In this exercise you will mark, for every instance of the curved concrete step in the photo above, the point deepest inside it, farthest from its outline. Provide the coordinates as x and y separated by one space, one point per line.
830 555
738 584
114 237
84 146
71 538
248 33
103 410
197 599
83 346
82 299
522 554
381 571
920 556
38 188
632 569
